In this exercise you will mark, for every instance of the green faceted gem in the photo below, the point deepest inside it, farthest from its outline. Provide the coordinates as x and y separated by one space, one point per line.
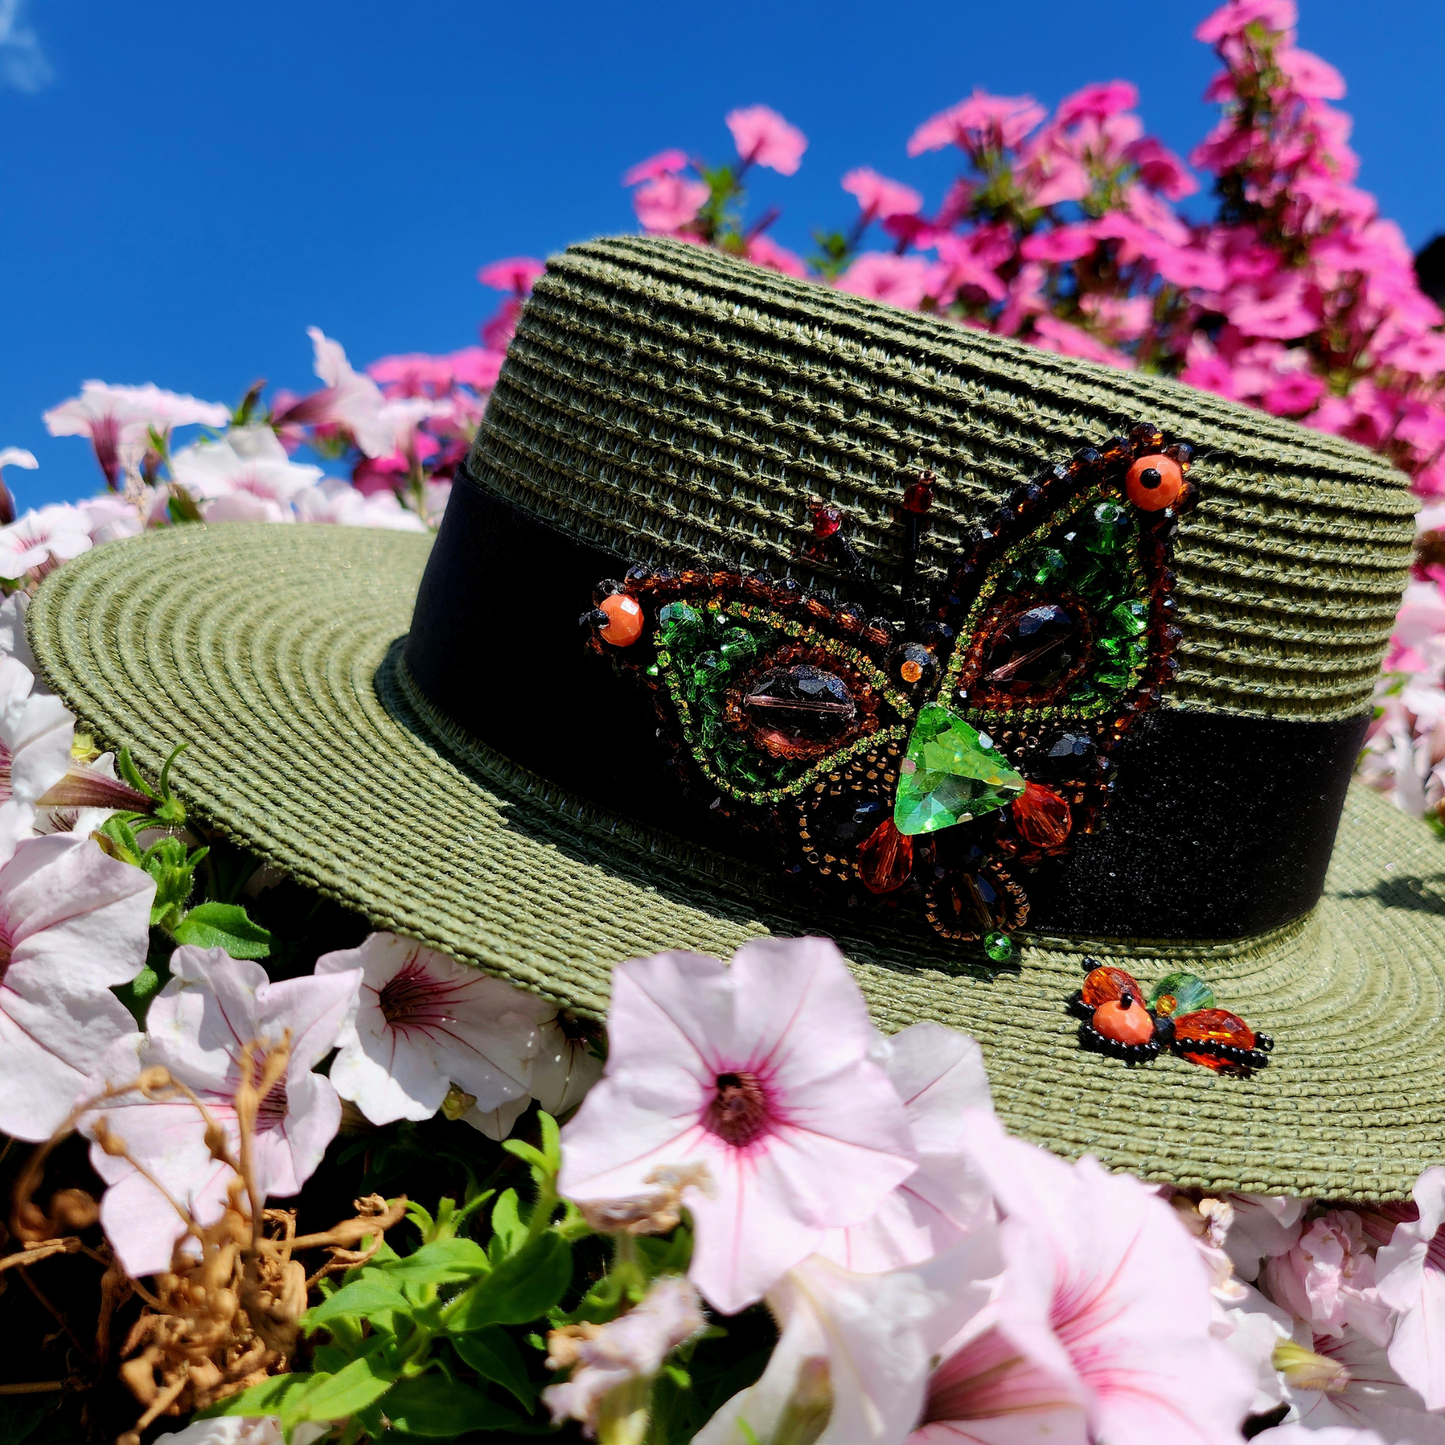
1112 525
1130 618
952 773
998 946
1180 993
738 646
679 625
1046 565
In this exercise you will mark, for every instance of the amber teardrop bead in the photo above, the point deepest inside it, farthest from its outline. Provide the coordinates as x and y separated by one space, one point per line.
1108 985
1217 1025
885 859
1041 816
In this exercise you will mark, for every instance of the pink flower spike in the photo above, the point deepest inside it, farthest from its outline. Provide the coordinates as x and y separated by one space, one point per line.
197 1028
516 274
664 163
764 251
902 280
764 138
939 1075
981 121
759 1072
1160 169
878 197
425 1022
1232 19
1097 102
1310 76
74 924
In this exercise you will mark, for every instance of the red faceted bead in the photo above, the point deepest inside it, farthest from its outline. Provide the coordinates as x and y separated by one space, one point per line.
1131 1025
624 620
1216 1025
1108 985
918 496
826 521
1041 816
1154 482
886 858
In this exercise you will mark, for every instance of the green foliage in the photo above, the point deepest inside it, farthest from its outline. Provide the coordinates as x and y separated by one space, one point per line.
223 925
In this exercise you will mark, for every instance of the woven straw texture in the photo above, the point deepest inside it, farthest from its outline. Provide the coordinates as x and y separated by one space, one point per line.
660 397
272 652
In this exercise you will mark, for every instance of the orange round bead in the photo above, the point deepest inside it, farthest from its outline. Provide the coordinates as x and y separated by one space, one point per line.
911 671
1131 1025
624 624
1152 495
1108 985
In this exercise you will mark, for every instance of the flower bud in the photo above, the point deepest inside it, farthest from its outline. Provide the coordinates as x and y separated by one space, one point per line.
1305 1370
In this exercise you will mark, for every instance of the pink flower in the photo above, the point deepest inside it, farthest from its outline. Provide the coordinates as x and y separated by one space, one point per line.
764 138
41 540
350 401
764 251
1296 1433
118 420
1366 1394
12 457
197 1027
1102 1315
1120 318
36 733
1294 394
1231 19
1060 243
981 122
336 500
761 1073
1309 75
74 924
878 197
477 366
424 1023
1055 335
664 163
901 280
1161 170
516 274
1280 307
631 1348
669 202
1324 1277
1410 1270
1097 102
247 465
939 1075
971 260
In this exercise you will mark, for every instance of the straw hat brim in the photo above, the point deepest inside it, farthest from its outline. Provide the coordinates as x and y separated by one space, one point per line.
274 652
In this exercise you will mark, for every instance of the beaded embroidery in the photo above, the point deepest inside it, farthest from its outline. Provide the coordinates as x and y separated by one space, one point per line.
924 755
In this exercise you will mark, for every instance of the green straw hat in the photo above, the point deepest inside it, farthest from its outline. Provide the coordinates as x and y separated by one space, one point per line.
666 405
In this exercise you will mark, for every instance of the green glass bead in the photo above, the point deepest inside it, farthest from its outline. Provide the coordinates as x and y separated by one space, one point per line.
998 946
1111 528
951 773
738 646
680 625
1046 565
1188 993
1130 617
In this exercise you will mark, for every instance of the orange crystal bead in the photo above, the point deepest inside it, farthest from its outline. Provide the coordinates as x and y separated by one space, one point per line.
886 858
1149 494
1132 1025
1041 816
624 625
1215 1024
1108 985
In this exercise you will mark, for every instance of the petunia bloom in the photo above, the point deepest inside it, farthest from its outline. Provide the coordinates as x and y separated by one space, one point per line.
667 203
1327 1277
198 1028
12 457
939 1075
40 541
350 400
248 466
425 1023
516 274
74 923
761 1074
764 138
1410 1279
36 732
878 197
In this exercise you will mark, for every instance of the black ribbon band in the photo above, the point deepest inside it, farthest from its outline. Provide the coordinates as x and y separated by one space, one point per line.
1220 826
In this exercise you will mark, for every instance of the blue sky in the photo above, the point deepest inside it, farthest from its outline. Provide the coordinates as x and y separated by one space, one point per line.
186 186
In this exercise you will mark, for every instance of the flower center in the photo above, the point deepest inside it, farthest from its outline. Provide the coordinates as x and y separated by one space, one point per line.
738 1112
413 998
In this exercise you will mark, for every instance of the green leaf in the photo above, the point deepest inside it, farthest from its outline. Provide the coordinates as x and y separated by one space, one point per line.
365 1296
433 1405
334 1397
137 994
445 1261
270 1397
494 1355
522 1288
223 925
507 1228
126 767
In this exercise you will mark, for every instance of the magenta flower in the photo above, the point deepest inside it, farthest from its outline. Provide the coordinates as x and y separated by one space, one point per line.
73 925
764 251
981 122
1233 18
350 401
1161 170
197 1028
1102 1317
878 197
667 203
902 280
759 1072
664 163
425 1022
516 274
764 138
1097 102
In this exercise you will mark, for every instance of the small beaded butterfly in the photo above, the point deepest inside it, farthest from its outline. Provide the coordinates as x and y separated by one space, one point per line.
924 754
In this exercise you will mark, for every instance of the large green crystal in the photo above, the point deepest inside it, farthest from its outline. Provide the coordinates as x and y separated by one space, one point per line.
951 773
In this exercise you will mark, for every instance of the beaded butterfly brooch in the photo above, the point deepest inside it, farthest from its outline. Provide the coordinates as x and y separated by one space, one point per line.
924 754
